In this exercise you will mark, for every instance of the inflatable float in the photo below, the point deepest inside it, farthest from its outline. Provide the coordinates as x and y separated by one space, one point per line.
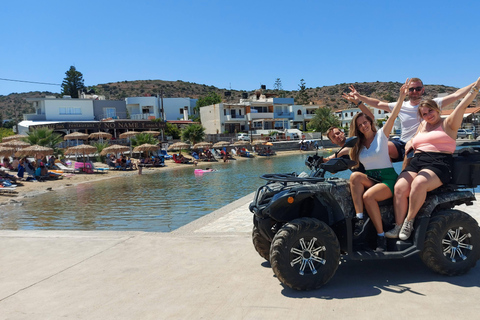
197 171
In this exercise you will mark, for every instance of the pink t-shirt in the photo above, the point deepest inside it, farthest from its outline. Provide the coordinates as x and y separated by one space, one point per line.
434 141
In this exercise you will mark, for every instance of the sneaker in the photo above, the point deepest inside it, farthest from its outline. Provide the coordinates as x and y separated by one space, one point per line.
381 244
359 227
393 234
407 229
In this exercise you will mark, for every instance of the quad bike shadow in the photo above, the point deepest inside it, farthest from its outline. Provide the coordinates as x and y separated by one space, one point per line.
303 224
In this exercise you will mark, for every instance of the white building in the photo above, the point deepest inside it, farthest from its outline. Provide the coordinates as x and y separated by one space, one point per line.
144 108
346 116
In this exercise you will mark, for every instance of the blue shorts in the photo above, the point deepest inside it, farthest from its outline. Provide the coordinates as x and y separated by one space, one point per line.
400 145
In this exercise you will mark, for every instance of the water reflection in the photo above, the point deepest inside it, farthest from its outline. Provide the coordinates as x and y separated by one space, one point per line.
163 201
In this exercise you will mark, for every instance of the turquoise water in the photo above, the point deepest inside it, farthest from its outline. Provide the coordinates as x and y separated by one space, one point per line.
159 202
162 201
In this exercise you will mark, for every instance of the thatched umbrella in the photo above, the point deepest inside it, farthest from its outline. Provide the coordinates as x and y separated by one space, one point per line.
146 147
17 144
84 149
202 145
34 150
257 142
153 133
128 135
114 148
15 137
100 135
76 136
179 146
6 151
221 144
240 143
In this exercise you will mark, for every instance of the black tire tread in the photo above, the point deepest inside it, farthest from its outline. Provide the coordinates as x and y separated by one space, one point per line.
262 245
432 255
281 244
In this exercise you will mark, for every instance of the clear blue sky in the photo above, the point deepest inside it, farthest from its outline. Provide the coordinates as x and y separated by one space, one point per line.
239 44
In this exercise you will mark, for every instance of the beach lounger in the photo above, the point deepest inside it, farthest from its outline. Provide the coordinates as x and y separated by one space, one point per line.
98 169
64 168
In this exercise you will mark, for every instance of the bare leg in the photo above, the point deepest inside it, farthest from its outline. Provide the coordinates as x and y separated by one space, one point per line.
358 183
371 197
425 181
392 150
401 194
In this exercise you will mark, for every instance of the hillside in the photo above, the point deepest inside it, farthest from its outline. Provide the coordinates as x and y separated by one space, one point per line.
325 96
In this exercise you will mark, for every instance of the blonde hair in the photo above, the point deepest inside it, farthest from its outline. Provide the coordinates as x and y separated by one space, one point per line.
355 131
430 104
416 80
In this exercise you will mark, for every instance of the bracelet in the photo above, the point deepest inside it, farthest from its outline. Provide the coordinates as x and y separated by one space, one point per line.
358 104
474 90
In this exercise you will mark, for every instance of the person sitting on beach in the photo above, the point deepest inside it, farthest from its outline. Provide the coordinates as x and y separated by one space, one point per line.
21 169
7 164
432 163
408 113
376 184
15 163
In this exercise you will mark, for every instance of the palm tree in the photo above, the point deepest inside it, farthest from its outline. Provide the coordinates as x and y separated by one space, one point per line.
100 146
324 118
45 137
194 133
143 138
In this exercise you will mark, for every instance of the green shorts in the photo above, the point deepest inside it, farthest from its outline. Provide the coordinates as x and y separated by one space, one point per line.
387 176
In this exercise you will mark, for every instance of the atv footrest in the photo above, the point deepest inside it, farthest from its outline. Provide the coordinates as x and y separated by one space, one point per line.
372 255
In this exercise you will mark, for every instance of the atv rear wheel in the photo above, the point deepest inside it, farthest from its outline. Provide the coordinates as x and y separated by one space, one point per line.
261 244
452 243
305 254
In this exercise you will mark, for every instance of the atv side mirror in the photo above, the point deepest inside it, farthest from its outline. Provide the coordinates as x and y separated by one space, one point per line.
350 142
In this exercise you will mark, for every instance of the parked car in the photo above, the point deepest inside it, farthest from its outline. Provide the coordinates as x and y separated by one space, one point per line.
243 137
464 133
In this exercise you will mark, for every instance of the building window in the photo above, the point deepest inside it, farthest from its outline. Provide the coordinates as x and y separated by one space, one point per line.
110 112
240 112
70 111
181 110
379 112
224 112
299 112
351 114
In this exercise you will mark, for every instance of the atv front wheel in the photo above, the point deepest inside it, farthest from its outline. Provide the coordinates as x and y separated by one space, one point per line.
261 244
305 254
452 243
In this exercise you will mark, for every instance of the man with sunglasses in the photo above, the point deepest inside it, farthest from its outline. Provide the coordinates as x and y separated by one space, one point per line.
408 113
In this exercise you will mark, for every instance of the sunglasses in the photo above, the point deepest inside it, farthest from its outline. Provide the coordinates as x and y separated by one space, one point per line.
415 89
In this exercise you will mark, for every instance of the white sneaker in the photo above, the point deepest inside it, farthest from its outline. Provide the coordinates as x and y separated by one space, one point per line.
393 234
407 229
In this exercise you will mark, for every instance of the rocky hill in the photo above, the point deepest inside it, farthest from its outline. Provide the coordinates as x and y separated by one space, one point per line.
324 96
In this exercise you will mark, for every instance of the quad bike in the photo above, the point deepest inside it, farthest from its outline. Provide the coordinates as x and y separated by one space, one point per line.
303 224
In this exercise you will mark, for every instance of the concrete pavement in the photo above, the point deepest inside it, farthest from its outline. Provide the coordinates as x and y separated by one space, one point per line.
208 270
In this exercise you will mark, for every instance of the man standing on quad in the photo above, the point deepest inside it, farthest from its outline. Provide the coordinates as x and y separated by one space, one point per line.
408 113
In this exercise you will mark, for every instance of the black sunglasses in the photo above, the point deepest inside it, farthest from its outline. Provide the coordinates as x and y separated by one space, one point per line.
416 89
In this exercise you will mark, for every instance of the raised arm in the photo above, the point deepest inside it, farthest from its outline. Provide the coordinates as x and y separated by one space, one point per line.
459 94
454 120
359 104
370 101
387 128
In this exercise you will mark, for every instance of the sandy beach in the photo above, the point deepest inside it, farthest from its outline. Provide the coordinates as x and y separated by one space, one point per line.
31 189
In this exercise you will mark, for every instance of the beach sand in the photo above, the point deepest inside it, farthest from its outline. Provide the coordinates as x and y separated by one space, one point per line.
31 189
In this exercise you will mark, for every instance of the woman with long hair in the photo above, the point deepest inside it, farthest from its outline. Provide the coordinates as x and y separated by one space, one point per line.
377 183
431 165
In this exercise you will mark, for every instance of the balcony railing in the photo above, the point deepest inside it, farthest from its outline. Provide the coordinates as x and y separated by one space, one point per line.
235 117
34 117
142 116
288 115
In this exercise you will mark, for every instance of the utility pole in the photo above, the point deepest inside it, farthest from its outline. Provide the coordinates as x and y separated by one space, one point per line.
162 113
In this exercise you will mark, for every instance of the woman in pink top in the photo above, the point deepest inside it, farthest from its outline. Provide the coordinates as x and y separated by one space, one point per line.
432 163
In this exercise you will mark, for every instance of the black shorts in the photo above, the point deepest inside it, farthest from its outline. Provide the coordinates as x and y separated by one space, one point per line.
440 163
400 145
